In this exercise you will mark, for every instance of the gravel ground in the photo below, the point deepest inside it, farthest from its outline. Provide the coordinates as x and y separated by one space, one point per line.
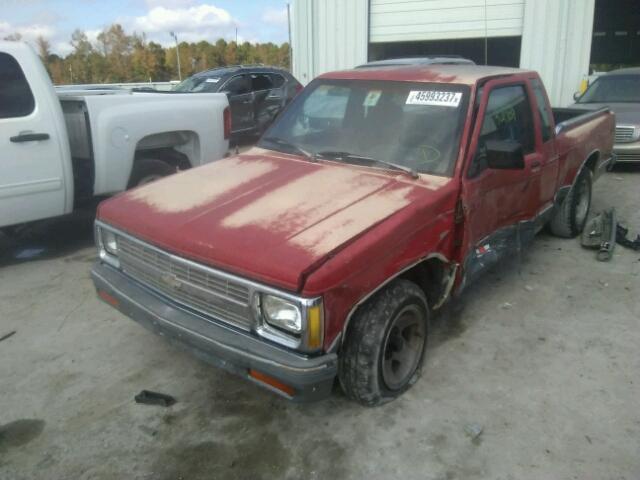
541 355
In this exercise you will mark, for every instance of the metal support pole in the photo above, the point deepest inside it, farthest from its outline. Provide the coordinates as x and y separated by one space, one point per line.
175 37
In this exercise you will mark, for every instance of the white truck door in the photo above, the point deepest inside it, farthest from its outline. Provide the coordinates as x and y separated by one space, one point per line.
34 173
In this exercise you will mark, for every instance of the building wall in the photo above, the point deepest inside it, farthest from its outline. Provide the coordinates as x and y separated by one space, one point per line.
556 42
556 34
328 35
394 21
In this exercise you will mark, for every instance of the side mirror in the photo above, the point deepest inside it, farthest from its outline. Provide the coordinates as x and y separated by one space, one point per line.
504 155
576 96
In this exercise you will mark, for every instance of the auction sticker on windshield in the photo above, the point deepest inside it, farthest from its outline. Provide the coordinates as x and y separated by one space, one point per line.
435 98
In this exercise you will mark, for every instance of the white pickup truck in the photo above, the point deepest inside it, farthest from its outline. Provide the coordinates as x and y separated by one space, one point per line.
61 146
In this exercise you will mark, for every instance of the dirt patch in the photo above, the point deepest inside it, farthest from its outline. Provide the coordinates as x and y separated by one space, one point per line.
254 457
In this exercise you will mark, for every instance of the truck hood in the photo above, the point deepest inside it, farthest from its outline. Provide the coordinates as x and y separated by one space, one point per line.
626 113
264 215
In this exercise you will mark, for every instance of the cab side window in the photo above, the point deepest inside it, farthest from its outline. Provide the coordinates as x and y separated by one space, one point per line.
16 99
543 112
508 118
277 79
260 82
238 85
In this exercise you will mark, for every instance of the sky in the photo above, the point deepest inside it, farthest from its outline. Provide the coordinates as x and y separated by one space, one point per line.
191 20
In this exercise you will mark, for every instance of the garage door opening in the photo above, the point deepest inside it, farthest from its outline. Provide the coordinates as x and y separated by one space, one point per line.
501 51
616 35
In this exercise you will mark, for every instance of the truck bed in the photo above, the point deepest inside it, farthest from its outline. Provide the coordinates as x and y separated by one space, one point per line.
571 117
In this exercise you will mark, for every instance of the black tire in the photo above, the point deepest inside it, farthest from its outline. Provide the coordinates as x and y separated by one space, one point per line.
571 216
368 348
147 170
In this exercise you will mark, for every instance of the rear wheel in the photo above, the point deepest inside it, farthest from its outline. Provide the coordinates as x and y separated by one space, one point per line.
385 344
147 170
571 216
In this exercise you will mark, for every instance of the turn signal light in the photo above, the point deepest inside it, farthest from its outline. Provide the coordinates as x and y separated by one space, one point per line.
108 298
272 382
314 327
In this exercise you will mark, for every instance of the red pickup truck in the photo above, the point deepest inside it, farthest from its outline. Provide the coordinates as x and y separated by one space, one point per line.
375 197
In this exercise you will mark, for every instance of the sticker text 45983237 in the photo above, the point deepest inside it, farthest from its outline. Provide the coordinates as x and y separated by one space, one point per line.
435 98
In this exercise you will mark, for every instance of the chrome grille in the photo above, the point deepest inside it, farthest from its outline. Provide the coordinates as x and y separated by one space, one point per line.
625 134
627 157
186 283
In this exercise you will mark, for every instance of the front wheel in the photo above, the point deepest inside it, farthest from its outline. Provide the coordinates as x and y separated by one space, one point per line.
385 344
571 216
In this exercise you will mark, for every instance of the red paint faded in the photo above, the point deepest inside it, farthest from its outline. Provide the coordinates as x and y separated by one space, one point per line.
266 216
341 231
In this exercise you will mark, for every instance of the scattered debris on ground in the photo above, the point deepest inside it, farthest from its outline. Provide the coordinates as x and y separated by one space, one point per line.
8 335
473 431
622 239
147 397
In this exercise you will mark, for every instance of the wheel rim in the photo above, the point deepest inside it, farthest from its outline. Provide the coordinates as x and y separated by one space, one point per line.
403 347
582 208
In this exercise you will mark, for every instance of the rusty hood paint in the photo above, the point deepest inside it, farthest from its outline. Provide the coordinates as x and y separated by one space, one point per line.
270 217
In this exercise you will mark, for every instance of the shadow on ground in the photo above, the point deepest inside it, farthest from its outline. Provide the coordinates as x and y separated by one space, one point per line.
49 238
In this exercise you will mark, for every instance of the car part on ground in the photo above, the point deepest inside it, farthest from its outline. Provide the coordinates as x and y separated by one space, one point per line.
147 397
622 233
600 234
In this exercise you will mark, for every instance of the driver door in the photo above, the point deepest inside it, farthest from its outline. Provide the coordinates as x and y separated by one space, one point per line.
496 201
33 152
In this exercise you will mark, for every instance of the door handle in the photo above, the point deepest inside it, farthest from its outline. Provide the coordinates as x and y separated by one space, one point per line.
29 137
535 166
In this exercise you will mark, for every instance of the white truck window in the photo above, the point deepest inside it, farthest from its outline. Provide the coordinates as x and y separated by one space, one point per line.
16 99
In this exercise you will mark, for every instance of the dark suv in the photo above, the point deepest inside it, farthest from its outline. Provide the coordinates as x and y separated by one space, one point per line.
256 93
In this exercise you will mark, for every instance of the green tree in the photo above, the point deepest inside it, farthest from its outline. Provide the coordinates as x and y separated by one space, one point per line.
117 56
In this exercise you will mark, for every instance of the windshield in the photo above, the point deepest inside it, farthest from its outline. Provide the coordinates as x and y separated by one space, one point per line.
198 84
414 125
613 89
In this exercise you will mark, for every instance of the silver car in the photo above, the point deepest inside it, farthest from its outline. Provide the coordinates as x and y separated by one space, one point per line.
619 90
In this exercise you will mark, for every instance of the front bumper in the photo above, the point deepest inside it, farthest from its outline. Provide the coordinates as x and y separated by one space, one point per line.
311 378
627 152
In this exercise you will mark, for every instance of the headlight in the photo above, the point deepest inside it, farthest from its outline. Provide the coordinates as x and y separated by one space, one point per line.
107 243
281 314
110 242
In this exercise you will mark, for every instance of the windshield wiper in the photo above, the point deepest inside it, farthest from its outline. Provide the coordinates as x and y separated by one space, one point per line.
292 146
351 156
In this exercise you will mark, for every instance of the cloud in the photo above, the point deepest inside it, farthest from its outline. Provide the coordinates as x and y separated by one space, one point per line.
62 48
191 23
169 3
275 16
29 33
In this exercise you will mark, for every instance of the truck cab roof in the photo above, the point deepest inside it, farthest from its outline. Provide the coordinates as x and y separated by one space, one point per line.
436 73
426 60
